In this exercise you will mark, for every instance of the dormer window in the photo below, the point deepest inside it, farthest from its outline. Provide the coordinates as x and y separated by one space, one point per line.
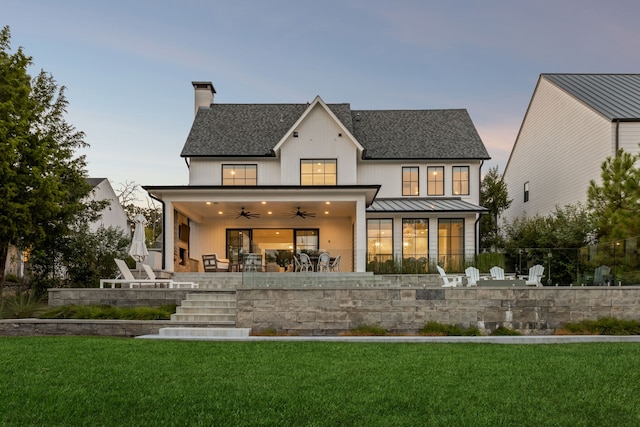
239 174
318 172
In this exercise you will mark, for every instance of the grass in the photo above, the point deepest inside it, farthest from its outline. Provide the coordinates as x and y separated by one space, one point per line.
114 382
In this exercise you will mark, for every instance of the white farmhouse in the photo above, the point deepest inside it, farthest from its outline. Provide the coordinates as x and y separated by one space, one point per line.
573 123
370 186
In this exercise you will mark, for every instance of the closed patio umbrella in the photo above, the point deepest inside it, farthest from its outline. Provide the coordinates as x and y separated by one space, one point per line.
138 250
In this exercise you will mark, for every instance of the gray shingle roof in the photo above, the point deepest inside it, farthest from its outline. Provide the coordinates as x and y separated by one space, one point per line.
237 130
424 205
615 96
418 134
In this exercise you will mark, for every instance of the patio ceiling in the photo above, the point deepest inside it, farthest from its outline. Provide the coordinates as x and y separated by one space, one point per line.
284 210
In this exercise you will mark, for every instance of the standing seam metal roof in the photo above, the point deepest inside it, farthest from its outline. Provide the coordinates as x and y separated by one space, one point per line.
423 205
615 96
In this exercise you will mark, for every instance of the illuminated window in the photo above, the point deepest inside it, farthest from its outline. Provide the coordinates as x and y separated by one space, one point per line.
379 240
461 180
451 244
239 175
415 245
410 185
435 181
318 172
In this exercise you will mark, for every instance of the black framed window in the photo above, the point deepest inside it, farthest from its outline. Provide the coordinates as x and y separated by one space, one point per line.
451 243
318 172
379 240
460 180
435 181
410 184
239 174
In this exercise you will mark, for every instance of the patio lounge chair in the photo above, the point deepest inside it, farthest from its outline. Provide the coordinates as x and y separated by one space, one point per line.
497 273
473 275
305 262
126 278
324 263
335 265
449 281
534 277
173 284
601 275
212 263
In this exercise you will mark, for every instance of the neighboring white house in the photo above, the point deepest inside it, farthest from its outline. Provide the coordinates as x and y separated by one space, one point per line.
113 215
372 186
573 123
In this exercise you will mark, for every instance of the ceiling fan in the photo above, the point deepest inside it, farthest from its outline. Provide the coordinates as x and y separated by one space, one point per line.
303 214
247 214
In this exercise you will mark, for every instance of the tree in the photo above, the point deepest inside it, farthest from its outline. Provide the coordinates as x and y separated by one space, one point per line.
44 188
493 196
152 213
616 202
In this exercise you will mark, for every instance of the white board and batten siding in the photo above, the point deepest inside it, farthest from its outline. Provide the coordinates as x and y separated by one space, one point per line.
318 137
559 149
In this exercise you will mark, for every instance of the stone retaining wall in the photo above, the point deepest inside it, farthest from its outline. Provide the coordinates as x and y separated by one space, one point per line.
59 327
530 310
117 297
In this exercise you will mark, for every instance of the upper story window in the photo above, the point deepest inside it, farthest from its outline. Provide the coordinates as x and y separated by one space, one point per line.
239 174
526 191
318 172
461 180
410 185
435 181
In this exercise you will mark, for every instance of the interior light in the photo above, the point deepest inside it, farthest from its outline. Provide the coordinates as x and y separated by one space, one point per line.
219 212
208 203
233 172
326 212
327 203
264 203
269 213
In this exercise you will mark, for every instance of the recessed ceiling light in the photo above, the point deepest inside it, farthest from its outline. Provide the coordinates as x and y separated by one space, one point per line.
326 212
327 203
220 212
264 203
208 203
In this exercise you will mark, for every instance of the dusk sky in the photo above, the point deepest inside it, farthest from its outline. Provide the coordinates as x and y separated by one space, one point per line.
128 65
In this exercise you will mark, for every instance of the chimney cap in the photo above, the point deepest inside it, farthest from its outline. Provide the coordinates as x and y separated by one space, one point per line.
204 85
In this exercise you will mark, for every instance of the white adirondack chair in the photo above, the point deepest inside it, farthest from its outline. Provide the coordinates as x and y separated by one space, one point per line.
534 277
449 281
473 275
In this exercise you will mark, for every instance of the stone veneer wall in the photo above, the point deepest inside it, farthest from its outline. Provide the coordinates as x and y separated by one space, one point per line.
405 310
117 297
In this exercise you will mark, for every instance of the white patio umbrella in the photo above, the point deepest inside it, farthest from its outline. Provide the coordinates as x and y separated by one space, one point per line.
138 250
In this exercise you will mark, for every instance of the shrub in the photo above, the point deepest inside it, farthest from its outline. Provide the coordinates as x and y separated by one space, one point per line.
367 331
603 326
442 330
502 331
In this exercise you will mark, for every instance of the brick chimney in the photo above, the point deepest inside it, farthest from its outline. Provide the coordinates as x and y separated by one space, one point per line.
204 92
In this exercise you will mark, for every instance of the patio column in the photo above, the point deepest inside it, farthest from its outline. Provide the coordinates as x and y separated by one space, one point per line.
360 250
168 237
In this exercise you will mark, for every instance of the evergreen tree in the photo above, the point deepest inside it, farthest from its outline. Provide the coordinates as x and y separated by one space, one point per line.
616 202
495 197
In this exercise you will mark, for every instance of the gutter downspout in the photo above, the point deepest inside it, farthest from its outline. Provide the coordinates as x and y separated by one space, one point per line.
477 225
164 241
617 136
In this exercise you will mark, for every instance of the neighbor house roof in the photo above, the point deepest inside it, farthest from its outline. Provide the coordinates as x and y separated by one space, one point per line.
250 130
423 205
615 96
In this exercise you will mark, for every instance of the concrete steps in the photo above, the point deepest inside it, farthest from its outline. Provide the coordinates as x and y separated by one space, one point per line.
211 308
186 332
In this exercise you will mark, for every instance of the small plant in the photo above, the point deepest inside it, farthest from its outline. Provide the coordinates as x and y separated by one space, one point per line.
272 332
437 329
502 331
21 305
602 326
366 331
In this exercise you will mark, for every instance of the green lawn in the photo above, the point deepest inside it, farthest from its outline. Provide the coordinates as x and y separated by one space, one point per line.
124 382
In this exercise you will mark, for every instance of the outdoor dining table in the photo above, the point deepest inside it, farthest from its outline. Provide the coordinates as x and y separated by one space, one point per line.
314 261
